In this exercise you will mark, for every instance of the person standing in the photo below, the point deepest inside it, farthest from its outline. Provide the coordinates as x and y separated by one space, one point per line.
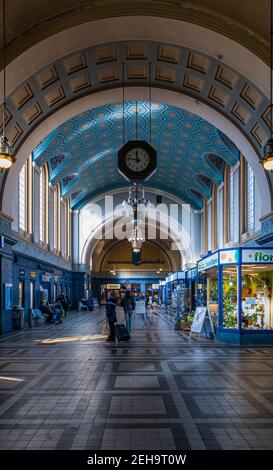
128 304
111 314
63 300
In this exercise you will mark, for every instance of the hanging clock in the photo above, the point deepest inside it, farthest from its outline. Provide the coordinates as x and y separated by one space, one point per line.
137 160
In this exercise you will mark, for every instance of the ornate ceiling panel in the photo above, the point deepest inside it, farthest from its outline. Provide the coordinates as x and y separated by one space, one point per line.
177 68
82 153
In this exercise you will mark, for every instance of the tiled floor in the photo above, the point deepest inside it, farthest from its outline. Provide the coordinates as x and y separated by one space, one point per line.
63 387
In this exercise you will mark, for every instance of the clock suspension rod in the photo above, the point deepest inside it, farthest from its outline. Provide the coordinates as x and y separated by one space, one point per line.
123 102
150 99
136 122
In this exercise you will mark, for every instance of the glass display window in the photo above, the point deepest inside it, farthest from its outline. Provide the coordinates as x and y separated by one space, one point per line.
257 280
230 297
207 292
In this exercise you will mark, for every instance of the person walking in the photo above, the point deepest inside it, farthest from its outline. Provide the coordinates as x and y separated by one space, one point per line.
111 314
128 304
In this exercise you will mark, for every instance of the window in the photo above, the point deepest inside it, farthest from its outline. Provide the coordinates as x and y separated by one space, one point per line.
231 206
43 205
218 221
22 198
250 199
209 224
67 227
56 218
25 197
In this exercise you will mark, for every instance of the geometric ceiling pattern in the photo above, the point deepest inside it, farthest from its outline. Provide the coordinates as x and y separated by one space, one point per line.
82 153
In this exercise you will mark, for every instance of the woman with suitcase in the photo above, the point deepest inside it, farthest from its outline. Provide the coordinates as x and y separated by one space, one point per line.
111 314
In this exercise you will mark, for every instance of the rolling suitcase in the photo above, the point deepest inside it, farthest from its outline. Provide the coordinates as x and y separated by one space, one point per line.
121 332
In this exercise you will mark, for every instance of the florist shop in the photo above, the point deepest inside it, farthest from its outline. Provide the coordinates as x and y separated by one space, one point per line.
236 286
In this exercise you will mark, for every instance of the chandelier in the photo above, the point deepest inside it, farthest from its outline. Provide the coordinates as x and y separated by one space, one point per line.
135 207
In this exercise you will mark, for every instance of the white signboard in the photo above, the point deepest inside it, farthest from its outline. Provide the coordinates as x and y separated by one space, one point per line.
198 319
208 262
257 256
229 256
140 306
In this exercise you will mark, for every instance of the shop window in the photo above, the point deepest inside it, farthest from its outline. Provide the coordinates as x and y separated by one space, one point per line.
257 297
230 297
207 293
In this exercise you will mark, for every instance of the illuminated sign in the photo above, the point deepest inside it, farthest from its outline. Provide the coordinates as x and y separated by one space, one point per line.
208 262
32 274
112 286
228 256
257 256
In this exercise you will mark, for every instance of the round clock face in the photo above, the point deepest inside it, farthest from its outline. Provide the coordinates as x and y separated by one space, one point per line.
137 159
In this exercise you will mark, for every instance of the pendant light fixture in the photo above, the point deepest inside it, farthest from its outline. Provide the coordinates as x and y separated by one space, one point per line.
6 158
267 160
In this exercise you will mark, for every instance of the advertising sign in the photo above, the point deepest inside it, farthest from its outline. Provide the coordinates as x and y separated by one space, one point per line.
32 274
257 256
113 286
198 319
181 275
229 256
208 262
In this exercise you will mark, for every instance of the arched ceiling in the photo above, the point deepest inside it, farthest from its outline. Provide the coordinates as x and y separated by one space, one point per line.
82 153
247 23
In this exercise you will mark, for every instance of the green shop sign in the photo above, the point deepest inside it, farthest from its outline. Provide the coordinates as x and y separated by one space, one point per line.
257 256
208 262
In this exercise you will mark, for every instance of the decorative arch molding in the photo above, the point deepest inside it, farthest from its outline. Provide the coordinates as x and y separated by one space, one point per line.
216 118
172 262
182 11
92 241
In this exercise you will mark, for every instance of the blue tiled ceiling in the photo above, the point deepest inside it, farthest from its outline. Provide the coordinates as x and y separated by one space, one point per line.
82 153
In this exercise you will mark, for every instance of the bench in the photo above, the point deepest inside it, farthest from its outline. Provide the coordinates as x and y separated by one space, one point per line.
37 315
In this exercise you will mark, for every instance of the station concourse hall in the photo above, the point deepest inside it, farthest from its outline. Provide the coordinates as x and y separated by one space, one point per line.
136 227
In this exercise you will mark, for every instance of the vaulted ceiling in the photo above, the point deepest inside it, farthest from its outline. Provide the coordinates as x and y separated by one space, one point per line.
82 153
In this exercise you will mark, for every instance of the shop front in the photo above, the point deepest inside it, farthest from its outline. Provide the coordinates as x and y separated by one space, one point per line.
236 285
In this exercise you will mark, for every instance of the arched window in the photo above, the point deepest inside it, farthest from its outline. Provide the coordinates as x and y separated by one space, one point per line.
43 205
56 218
67 227
25 197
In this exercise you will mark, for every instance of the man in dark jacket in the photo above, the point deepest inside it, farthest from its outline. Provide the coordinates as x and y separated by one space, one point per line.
111 314
128 304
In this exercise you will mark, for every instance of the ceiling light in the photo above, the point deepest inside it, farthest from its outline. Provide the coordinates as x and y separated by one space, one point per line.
6 158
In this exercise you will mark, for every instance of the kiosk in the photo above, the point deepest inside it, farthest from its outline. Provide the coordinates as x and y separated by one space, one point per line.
236 285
